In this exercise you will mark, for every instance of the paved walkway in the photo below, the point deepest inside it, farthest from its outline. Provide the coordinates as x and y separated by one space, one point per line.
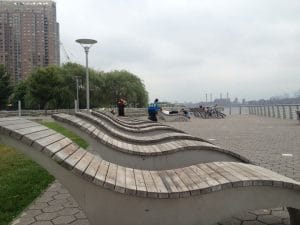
262 140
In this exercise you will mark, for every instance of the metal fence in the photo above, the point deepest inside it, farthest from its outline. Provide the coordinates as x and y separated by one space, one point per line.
280 111
283 111
34 112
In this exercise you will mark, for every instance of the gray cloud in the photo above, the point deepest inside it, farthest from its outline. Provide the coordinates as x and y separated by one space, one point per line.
183 49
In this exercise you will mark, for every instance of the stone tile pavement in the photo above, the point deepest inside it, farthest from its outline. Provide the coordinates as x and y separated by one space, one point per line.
262 140
54 206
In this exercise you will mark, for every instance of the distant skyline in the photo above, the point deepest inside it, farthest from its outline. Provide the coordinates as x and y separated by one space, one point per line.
183 49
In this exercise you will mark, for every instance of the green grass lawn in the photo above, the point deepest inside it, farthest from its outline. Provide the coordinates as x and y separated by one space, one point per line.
75 138
21 181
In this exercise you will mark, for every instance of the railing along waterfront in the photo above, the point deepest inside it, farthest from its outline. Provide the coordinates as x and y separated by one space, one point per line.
280 111
25 112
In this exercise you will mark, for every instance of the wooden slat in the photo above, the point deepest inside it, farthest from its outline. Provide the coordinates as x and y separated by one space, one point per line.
7 129
43 142
10 119
83 164
18 133
110 180
150 185
25 131
229 176
29 138
65 153
101 173
71 161
243 180
57 146
21 126
263 176
121 180
161 188
92 169
188 182
140 183
130 182
168 183
213 184
181 187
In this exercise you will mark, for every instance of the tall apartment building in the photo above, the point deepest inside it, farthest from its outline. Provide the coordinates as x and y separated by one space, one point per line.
29 36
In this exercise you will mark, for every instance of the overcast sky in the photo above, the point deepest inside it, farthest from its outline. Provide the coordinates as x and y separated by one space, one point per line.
183 49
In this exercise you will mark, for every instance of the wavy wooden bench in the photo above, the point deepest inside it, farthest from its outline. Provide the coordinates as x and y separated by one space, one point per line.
165 155
127 121
128 136
111 194
140 125
135 129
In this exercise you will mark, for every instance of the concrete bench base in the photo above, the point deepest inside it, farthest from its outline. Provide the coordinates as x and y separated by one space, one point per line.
111 194
103 206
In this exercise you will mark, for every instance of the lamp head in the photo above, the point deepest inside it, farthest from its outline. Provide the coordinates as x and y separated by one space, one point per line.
86 43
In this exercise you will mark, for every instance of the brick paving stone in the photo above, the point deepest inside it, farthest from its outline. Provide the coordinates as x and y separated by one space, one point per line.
62 196
277 209
58 202
230 221
41 223
32 212
69 211
39 206
80 215
281 214
80 222
71 203
64 220
246 216
253 223
46 216
55 208
262 212
270 219
23 221
44 199
286 221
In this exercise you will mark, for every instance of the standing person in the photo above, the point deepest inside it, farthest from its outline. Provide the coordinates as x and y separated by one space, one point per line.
153 109
121 105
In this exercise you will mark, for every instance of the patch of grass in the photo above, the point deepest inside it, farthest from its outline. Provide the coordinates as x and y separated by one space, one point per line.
60 129
21 181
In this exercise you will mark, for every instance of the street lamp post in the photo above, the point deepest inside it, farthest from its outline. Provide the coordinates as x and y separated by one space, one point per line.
77 91
87 44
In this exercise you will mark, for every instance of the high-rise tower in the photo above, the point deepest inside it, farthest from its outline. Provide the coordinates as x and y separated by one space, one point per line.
29 36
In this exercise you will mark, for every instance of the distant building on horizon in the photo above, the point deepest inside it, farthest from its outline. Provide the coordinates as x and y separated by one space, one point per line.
29 36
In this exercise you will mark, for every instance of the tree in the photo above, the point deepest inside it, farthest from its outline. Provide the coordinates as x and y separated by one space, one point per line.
55 87
5 87
19 93
122 84
43 87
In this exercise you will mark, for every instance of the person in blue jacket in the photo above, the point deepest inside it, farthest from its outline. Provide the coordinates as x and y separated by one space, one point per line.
153 109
